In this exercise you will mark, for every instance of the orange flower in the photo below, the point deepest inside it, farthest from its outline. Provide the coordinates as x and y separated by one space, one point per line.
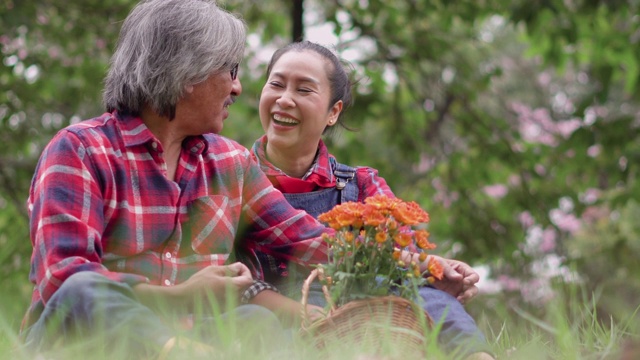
403 239
410 213
382 203
396 254
381 237
372 216
435 268
348 236
422 257
422 239
416 271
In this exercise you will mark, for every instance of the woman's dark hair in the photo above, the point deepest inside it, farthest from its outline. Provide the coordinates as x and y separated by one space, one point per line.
339 79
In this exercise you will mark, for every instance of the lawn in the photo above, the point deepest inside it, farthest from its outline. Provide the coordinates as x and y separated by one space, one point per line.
567 327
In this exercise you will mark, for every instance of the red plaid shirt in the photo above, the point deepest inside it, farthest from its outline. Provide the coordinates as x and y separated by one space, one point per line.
100 201
369 183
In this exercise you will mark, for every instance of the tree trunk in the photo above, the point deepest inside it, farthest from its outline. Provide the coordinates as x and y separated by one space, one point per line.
298 26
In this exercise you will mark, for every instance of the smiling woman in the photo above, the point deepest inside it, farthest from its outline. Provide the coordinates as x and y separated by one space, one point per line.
306 94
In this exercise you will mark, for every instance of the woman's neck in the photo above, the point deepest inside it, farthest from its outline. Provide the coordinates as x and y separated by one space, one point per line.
293 163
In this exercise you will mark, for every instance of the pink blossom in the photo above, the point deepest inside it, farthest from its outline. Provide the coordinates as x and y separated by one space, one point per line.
565 222
590 196
514 180
442 195
526 219
537 126
508 283
548 243
566 128
496 191
594 150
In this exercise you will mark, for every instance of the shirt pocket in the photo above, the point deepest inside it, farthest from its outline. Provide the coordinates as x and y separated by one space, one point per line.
212 228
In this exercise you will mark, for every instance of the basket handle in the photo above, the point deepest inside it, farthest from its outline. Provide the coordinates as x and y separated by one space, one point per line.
305 296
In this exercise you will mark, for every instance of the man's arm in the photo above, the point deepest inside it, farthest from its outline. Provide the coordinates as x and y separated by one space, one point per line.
66 212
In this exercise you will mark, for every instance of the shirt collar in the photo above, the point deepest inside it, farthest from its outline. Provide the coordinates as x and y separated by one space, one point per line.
135 132
321 166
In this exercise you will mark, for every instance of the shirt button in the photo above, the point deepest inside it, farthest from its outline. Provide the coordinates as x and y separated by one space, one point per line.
194 149
167 282
154 145
167 255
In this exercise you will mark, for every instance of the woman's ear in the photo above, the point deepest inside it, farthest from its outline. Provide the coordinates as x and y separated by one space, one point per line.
334 113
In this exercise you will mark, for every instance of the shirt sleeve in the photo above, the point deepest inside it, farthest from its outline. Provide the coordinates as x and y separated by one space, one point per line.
276 228
257 287
371 184
66 217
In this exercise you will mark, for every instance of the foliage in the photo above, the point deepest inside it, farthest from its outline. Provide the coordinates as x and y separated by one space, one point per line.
366 257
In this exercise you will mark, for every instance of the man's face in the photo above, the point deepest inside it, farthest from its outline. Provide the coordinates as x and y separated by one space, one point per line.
205 105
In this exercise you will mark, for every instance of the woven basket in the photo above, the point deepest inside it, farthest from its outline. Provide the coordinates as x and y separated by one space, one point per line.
370 323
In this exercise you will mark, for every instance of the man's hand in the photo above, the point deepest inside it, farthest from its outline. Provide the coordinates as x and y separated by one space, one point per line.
216 280
212 281
458 279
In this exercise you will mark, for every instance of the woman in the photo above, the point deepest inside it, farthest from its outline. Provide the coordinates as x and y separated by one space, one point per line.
306 93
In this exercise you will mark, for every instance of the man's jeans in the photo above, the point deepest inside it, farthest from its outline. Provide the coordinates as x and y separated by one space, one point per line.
90 307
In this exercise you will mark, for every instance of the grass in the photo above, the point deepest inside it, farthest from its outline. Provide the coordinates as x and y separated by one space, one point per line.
568 327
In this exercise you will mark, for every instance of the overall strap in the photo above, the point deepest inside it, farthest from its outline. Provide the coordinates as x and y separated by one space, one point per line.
346 182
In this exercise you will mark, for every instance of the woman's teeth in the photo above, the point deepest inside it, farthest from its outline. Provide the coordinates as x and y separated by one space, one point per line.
284 120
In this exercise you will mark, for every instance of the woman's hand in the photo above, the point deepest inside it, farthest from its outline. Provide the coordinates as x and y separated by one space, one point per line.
459 279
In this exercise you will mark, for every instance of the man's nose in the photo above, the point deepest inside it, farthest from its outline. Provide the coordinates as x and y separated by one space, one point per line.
236 87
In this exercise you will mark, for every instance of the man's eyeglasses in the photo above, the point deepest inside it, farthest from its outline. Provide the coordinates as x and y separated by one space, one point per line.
234 72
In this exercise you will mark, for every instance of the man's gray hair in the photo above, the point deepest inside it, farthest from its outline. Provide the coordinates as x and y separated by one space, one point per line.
167 45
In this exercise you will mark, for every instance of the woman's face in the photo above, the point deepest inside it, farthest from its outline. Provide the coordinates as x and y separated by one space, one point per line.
294 105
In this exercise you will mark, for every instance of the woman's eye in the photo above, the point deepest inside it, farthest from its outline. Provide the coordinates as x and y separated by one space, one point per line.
275 83
304 90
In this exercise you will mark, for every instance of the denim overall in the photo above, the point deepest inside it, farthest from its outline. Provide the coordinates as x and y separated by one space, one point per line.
288 278
459 330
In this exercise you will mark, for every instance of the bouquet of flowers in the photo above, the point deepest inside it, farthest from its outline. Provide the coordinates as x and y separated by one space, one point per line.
372 277
376 250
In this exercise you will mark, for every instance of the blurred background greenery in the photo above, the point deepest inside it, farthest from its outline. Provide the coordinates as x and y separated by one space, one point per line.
515 123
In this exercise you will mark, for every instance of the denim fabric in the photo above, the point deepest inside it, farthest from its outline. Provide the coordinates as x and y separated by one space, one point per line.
459 331
318 202
90 306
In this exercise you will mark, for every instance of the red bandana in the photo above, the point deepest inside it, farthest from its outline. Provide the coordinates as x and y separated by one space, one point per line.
320 175
291 185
